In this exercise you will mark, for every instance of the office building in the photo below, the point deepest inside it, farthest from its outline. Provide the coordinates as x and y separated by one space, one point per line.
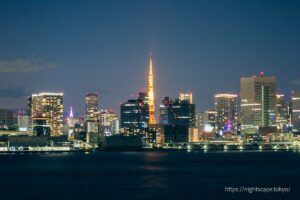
46 113
209 121
135 114
165 113
177 112
92 126
91 107
296 111
226 112
186 97
281 113
6 118
109 122
92 113
258 104
199 120
178 118
23 123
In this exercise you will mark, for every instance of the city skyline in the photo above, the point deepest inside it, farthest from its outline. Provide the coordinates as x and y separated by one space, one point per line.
150 99
210 46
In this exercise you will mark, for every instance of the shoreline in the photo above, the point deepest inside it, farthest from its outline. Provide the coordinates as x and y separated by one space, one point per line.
155 150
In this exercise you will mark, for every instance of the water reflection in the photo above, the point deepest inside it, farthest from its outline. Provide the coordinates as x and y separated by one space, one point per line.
153 156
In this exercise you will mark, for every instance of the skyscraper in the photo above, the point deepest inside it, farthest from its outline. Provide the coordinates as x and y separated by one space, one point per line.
177 119
91 106
92 113
151 103
186 97
226 109
46 113
209 120
281 113
296 111
177 112
109 122
135 114
6 118
23 122
258 103
165 113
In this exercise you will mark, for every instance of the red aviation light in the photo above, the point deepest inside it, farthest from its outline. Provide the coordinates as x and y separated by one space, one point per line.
261 74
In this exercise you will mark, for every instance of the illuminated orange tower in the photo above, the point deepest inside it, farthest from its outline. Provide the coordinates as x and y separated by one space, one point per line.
151 94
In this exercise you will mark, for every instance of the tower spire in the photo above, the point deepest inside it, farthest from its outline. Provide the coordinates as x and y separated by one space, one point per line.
71 112
151 93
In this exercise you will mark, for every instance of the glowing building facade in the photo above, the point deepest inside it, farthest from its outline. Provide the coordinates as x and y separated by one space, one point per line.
135 114
186 97
281 113
258 103
226 112
92 113
109 122
151 102
209 121
91 106
23 122
46 113
296 111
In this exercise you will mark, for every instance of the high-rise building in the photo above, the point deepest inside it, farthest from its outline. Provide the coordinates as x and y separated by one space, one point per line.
6 118
258 103
178 119
186 97
281 113
151 102
209 121
165 113
91 106
199 120
226 111
92 113
289 113
135 114
109 122
46 113
296 111
23 122
177 113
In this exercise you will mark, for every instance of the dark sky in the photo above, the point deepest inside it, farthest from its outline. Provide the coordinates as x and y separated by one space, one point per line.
199 46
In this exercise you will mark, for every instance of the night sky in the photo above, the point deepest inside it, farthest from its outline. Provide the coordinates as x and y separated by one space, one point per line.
205 47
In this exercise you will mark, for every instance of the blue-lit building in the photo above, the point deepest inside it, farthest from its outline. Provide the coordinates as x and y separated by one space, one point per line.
177 117
135 114
178 112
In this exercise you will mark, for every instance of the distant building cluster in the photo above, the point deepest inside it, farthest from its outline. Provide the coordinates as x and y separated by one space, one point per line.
257 114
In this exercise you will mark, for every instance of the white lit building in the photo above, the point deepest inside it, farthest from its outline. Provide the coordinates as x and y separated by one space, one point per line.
46 113
296 111
23 123
109 122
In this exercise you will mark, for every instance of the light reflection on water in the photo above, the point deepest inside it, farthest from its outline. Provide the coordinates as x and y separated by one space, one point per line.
153 156
144 175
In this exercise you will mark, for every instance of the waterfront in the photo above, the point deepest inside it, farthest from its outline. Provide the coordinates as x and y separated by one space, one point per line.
148 175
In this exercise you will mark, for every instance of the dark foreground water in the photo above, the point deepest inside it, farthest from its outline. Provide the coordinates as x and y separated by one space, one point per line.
148 175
